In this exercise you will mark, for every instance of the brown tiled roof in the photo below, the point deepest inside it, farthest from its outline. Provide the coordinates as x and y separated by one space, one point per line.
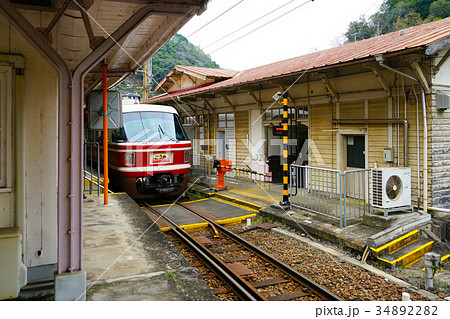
415 37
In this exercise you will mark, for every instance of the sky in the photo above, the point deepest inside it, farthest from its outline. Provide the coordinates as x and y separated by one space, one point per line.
304 26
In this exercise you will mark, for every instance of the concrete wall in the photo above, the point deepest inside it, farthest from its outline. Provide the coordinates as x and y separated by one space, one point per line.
36 136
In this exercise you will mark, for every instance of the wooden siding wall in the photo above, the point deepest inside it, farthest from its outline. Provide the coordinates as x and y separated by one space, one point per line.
212 135
241 124
185 81
324 137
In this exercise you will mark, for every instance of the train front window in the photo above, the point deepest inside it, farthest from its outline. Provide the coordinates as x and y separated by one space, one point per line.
152 127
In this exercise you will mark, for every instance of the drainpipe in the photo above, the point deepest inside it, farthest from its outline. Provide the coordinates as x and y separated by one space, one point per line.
425 155
380 61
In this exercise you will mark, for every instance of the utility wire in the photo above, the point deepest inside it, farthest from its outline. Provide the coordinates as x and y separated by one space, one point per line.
301 5
214 19
261 17
185 38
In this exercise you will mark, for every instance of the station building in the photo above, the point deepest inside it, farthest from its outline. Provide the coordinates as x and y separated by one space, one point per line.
349 107
51 56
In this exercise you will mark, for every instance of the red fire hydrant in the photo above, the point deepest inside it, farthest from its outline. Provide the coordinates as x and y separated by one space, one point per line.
223 166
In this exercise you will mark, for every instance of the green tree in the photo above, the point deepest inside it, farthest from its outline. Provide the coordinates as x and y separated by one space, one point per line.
440 9
409 20
361 29
395 15
177 51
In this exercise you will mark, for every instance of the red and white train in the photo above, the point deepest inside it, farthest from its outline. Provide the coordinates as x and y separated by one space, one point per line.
150 154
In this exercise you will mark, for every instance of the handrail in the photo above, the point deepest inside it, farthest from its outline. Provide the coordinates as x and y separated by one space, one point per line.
339 195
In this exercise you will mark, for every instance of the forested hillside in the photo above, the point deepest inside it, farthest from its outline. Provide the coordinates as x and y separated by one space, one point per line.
396 15
177 51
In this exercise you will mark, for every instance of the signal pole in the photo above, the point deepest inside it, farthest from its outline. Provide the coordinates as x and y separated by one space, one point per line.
284 122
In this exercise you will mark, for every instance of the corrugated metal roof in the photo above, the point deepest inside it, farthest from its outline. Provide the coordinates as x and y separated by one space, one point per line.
414 37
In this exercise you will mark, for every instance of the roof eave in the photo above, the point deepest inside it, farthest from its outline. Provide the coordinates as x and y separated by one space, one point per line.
296 73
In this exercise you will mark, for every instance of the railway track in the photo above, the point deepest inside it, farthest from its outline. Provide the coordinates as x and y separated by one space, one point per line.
245 270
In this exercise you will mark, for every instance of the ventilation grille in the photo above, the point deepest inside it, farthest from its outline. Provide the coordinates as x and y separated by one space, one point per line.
377 187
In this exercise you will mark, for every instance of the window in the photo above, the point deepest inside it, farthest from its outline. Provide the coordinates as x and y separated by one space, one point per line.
151 127
225 120
188 120
201 135
302 112
277 114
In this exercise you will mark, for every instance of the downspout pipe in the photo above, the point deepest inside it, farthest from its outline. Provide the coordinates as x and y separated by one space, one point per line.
380 61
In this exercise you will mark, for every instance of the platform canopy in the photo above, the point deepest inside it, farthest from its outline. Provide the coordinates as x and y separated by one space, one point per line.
85 24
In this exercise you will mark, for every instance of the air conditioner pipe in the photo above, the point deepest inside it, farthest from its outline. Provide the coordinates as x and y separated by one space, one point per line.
380 61
382 121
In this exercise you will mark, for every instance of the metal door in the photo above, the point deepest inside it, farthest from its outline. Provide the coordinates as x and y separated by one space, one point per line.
356 159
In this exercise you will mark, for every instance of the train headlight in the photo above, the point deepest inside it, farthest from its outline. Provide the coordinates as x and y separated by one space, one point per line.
129 159
187 156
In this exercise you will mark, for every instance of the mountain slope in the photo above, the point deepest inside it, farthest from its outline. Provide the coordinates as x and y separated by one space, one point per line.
177 51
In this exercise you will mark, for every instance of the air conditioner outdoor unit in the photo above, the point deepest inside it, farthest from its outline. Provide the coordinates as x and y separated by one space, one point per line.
391 187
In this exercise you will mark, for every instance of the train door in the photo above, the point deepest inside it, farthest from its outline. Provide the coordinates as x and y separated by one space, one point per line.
7 203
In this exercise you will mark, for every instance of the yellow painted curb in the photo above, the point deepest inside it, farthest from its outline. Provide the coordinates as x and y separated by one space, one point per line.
234 220
231 200
194 201
235 204
408 254
394 241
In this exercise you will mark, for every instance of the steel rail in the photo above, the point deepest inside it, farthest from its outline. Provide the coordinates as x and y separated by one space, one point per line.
239 286
299 278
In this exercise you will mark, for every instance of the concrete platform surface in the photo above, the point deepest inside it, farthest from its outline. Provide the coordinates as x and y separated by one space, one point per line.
126 257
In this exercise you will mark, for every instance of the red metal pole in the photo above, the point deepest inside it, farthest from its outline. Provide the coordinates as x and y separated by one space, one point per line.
105 136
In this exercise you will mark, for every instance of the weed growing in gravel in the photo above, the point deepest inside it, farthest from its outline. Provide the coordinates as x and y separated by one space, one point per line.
340 243
195 195
258 220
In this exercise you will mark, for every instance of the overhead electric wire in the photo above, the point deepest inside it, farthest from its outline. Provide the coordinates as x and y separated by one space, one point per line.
250 23
297 7
215 18
185 38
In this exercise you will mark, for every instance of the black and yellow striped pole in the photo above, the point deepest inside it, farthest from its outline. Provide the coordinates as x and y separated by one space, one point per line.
284 122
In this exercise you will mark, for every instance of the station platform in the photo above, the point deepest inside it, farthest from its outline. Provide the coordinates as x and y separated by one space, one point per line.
127 257
215 209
